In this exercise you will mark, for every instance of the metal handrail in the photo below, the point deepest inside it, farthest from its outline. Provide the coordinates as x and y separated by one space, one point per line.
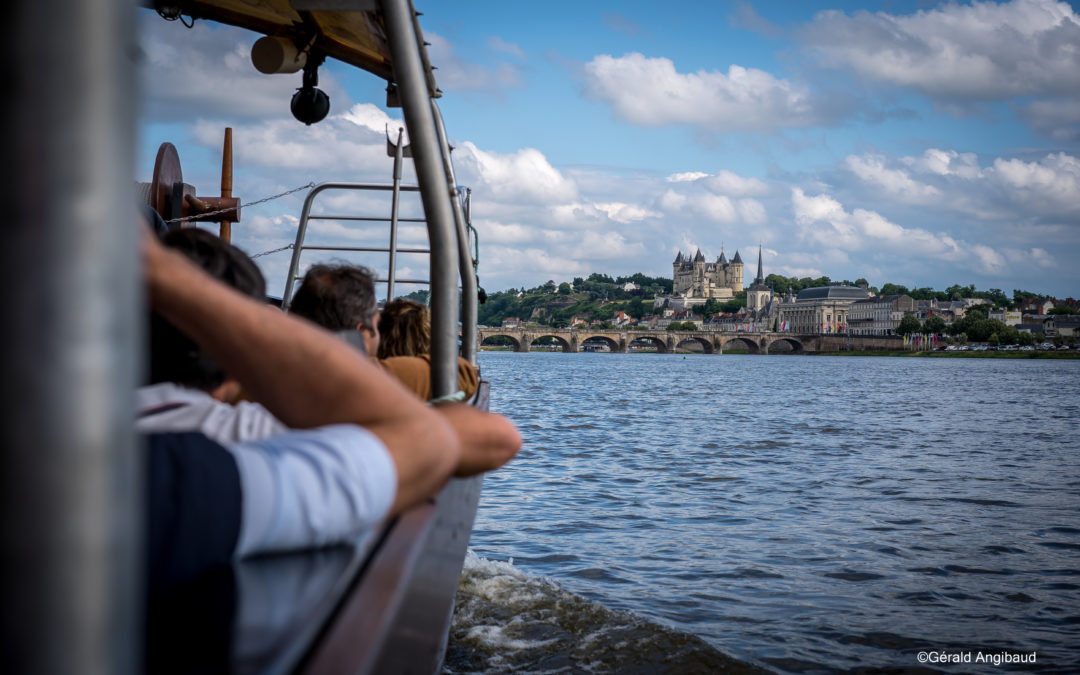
306 216
467 270
430 158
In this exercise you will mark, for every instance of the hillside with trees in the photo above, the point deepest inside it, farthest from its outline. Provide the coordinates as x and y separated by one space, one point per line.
599 296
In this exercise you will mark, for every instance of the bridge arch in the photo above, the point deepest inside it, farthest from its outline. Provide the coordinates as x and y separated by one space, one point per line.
706 344
514 342
612 344
785 345
559 340
651 340
749 343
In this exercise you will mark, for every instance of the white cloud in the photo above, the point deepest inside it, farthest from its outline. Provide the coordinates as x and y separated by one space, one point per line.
686 177
524 175
946 163
650 92
1008 189
343 144
672 201
1051 184
981 51
824 221
1042 258
496 233
716 208
751 211
626 213
871 169
606 246
728 183
504 262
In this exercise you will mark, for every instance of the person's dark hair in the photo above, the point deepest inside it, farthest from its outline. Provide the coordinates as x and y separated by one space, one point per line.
404 329
173 356
336 296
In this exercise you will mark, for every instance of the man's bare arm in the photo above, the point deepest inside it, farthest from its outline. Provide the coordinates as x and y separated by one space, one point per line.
487 441
302 374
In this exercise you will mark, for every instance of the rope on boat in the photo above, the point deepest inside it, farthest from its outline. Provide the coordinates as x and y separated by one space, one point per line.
283 248
248 204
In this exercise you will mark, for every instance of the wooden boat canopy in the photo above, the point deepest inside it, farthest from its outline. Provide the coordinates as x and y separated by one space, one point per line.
351 31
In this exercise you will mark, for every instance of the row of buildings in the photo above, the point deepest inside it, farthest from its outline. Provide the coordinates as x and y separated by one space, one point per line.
828 309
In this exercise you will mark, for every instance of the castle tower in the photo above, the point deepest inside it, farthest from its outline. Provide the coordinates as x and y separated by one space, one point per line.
699 286
735 278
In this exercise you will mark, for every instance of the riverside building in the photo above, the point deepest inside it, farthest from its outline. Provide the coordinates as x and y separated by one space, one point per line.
823 309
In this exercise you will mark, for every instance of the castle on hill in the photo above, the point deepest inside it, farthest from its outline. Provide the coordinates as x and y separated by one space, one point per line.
696 279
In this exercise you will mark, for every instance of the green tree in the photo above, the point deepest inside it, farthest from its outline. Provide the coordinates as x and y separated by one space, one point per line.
996 296
1062 309
711 306
733 305
982 329
934 324
1024 339
908 325
1019 295
894 289
564 288
1009 335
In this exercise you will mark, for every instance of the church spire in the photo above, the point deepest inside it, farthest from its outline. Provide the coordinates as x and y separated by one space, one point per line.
760 275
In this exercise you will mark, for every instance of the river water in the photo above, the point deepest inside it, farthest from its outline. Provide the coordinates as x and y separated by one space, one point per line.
699 513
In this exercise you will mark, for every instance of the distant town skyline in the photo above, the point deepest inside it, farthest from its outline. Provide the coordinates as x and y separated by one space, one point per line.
909 142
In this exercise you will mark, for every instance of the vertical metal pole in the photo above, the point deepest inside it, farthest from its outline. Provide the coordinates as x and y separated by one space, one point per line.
431 176
298 246
469 298
398 152
70 535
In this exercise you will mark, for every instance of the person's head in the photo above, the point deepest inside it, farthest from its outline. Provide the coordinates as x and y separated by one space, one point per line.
339 297
174 357
404 329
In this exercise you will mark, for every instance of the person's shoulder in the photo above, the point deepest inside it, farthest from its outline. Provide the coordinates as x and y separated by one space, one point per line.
468 378
252 421
412 371
405 363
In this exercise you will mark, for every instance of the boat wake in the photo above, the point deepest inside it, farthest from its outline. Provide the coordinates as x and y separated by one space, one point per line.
508 620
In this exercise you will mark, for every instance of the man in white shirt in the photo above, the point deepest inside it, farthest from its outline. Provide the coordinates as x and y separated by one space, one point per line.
368 448
188 390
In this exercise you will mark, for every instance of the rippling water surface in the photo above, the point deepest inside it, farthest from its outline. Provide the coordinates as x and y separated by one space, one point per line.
696 513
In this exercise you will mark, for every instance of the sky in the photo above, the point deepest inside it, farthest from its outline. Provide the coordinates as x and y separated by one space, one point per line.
912 142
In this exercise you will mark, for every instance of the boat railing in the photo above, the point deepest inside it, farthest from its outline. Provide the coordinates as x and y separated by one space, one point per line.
306 216
466 262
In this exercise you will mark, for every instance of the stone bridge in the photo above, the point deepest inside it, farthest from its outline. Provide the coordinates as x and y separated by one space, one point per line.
707 341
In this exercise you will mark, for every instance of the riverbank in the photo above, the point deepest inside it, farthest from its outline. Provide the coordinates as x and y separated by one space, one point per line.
1071 354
